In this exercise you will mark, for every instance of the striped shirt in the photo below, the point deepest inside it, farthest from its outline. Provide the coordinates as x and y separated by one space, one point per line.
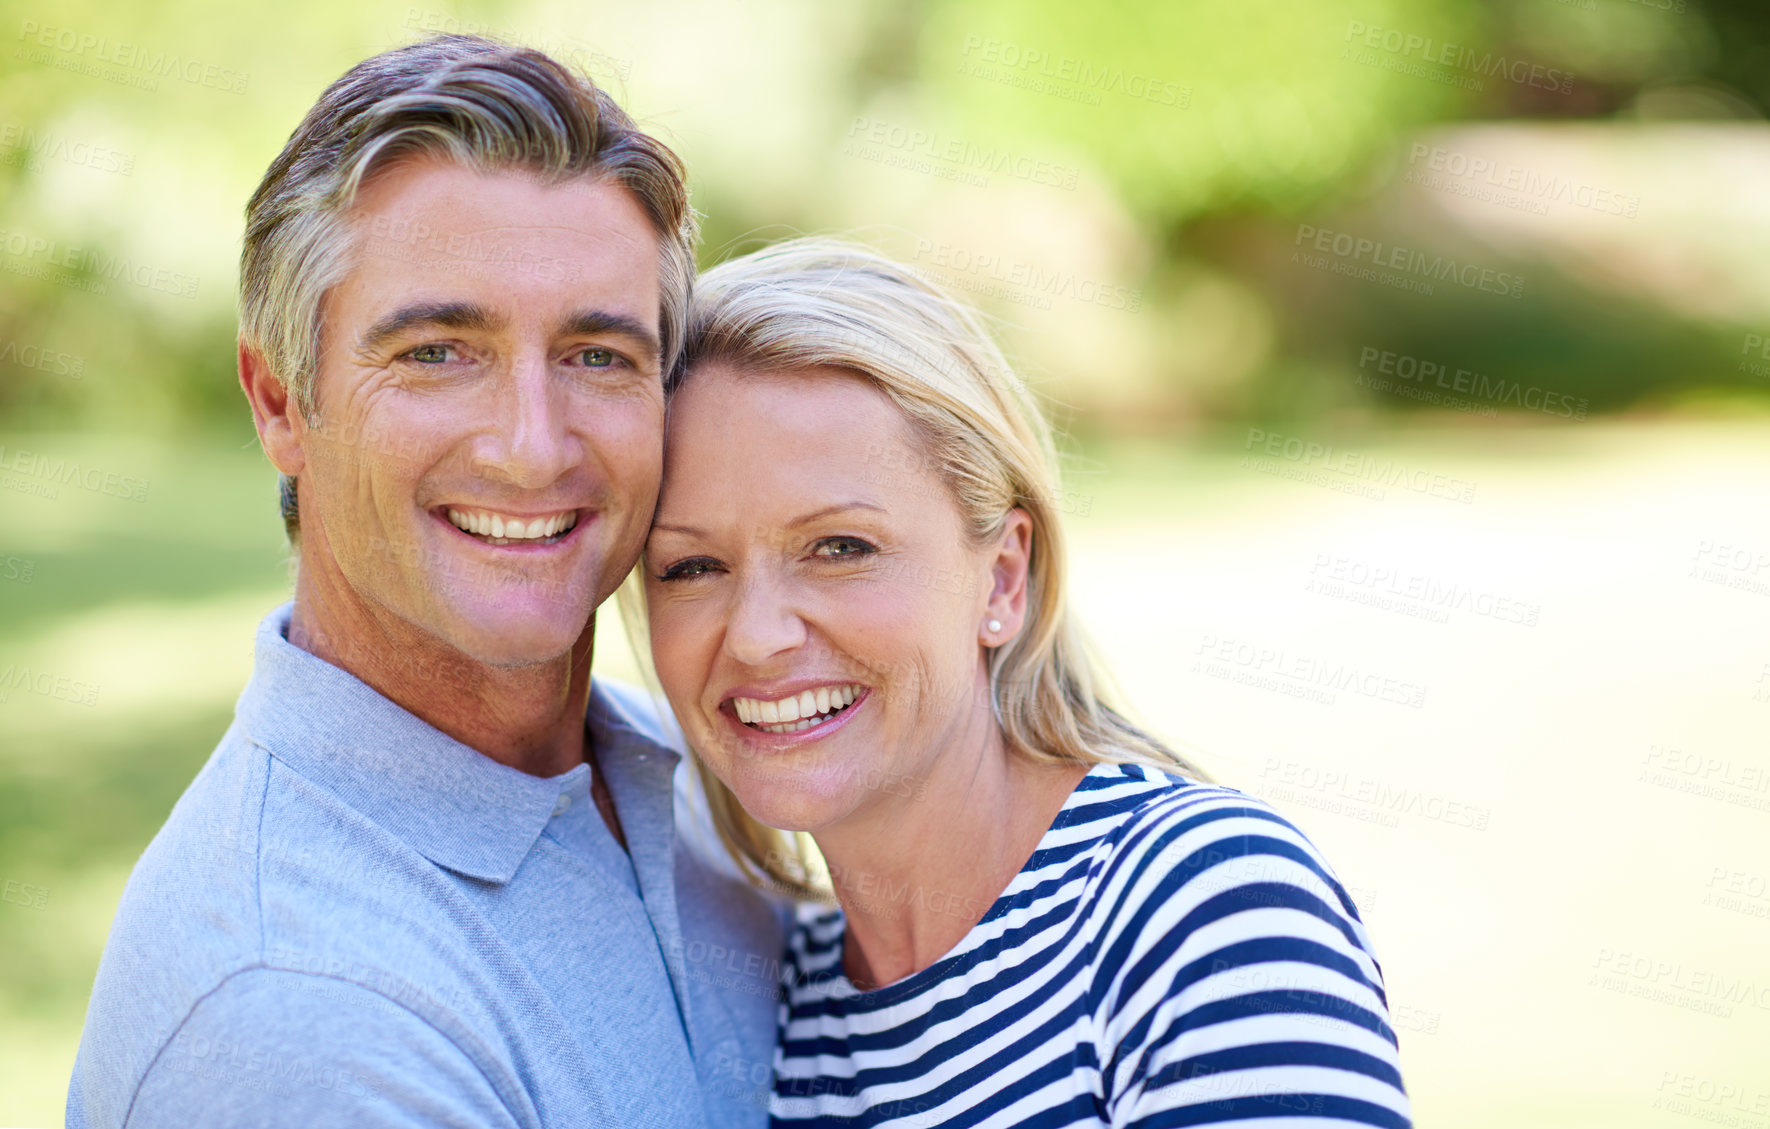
1172 954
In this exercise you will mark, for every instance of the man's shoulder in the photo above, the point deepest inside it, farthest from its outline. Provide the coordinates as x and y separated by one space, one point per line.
255 855
261 879
634 708
273 1047
189 916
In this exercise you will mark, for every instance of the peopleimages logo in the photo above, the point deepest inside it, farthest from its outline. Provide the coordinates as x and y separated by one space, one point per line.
1085 81
1341 252
1483 178
1410 47
1756 354
872 139
52 361
47 683
1356 466
110 268
87 52
65 472
1025 278
30 148
1397 371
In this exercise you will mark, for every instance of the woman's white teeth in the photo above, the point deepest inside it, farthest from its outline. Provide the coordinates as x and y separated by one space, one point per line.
801 711
503 530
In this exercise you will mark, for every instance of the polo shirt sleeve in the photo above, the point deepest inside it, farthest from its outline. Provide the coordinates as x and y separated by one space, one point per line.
276 1048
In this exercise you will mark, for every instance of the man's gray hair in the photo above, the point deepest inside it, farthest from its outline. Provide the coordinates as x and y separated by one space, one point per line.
479 103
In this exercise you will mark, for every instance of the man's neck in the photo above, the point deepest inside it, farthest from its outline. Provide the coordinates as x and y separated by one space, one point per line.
530 717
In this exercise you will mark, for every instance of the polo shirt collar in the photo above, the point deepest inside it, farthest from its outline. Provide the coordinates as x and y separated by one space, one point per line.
454 805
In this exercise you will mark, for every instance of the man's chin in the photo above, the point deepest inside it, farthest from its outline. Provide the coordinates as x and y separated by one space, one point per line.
502 636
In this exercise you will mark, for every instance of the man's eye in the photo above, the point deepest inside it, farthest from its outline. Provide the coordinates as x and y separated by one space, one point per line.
596 358
690 568
843 547
430 354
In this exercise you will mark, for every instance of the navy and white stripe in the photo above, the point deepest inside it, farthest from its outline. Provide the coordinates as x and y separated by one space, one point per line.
1173 954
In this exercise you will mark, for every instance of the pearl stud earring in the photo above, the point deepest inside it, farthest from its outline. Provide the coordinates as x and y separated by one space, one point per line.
994 626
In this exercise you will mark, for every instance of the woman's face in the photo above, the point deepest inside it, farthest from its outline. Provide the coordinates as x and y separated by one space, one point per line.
817 613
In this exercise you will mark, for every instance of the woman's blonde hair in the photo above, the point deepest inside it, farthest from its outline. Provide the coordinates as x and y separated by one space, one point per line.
819 302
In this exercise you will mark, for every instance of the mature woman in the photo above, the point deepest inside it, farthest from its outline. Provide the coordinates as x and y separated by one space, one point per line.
855 585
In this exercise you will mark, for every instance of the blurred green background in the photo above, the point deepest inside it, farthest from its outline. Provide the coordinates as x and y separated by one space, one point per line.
1523 246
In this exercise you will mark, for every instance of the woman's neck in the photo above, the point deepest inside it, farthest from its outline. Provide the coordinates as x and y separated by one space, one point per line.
918 871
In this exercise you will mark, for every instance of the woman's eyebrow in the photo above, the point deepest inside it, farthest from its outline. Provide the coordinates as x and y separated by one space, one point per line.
839 507
806 519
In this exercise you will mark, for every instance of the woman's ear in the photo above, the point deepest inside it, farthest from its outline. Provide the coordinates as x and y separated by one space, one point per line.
281 429
1010 567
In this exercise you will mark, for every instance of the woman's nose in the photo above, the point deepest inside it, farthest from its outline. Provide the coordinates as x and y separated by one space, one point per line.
764 622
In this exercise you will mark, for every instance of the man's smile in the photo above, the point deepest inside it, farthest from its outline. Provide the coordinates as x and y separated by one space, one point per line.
495 528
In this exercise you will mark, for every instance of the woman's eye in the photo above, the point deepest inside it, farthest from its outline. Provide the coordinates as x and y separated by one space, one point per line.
843 547
689 569
596 358
430 354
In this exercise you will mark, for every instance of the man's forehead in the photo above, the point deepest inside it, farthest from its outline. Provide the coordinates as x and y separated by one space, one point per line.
441 212
428 177
508 242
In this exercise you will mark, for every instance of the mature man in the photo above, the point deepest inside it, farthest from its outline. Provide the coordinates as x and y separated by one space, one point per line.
429 876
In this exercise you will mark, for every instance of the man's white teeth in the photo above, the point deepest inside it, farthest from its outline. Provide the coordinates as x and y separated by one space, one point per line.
800 711
502 529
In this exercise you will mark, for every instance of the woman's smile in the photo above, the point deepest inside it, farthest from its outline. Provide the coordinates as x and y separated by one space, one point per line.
789 712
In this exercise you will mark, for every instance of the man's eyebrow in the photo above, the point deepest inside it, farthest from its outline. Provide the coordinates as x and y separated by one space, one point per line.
445 315
600 323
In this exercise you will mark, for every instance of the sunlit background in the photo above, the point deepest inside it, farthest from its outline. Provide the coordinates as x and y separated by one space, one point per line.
1413 360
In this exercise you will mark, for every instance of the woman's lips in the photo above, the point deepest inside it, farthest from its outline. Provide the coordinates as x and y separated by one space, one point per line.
826 718
814 703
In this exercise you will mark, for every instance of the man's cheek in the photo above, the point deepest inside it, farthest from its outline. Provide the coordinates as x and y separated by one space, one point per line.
632 465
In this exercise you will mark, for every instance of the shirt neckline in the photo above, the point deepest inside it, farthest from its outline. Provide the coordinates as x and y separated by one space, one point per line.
836 985
454 805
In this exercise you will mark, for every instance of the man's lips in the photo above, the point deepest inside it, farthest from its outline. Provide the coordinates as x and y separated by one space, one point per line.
508 529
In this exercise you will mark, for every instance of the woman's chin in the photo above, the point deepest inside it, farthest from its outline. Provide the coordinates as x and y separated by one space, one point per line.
791 805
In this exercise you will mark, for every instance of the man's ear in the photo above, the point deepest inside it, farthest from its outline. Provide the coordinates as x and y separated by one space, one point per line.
274 412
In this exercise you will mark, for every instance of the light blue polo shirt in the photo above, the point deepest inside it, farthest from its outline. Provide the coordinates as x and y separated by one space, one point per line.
351 919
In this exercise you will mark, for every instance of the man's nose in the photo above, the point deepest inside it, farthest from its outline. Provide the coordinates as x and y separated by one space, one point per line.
532 444
764 622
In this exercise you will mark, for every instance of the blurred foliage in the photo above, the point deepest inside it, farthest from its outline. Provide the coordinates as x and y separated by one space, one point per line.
1185 143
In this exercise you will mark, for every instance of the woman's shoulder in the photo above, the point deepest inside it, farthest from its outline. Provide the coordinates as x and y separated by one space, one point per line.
1164 838
1131 802
1216 922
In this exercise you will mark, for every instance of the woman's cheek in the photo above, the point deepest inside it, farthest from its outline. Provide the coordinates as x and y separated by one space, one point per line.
675 656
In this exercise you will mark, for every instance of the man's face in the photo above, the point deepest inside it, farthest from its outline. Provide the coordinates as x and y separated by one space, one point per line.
488 406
